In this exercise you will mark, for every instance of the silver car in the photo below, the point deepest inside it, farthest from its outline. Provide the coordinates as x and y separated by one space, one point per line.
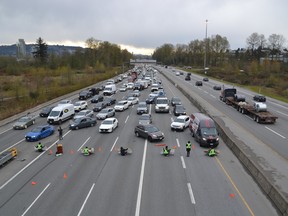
145 119
105 113
142 108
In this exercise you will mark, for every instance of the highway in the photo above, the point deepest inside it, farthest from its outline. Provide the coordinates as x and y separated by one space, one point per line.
144 183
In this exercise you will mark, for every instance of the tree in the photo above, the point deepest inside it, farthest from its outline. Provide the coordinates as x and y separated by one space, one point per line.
40 53
253 41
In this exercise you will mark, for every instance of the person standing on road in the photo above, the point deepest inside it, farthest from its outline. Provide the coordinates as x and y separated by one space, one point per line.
60 130
188 148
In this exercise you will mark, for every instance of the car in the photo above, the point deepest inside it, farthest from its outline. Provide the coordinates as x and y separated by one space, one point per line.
97 98
24 122
154 87
46 111
110 101
84 113
180 123
65 102
121 105
99 106
94 91
149 132
259 98
84 95
82 122
108 125
39 132
132 100
142 108
205 79
217 87
187 78
136 93
175 101
138 86
179 110
130 85
177 73
145 119
198 83
80 105
123 88
106 113
151 97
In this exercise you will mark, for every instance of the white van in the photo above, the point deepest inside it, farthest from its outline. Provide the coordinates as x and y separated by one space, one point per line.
109 90
61 113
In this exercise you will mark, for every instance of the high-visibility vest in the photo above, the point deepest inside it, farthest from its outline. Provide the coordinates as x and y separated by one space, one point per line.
212 152
86 151
39 146
165 151
188 146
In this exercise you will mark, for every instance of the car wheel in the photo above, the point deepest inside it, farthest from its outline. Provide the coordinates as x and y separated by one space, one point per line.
113 114
92 125
150 139
33 122
25 126
76 128
137 134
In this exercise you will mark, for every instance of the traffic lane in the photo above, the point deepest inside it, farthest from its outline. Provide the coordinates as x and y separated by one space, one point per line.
165 190
221 180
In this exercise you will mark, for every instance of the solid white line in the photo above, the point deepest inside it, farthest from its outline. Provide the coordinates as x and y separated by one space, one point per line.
191 193
13 177
36 199
114 144
82 207
275 132
126 119
178 144
84 143
183 162
137 213
12 146
150 108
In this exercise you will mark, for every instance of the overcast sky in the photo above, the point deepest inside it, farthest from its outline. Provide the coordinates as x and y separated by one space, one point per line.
140 24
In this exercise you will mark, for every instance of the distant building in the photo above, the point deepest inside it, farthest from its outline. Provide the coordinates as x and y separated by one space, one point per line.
142 61
21 49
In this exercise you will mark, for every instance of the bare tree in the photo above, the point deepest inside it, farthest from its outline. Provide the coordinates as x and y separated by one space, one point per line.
276 42
253 41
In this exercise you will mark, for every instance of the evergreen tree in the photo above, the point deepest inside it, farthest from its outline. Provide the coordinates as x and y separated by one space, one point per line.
40 53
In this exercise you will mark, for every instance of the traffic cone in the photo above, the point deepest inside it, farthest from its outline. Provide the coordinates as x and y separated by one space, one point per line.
71 152
34 183
65 175
50 152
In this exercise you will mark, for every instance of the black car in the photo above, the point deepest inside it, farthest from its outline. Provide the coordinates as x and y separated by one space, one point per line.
110 101
84 95
205 79
45 111
187 78
179 110
94 91
82 123
198 83
97 98
259 98
149 132
175 101
99 106
217 87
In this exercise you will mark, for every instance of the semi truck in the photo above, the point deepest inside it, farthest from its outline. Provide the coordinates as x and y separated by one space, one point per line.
258 111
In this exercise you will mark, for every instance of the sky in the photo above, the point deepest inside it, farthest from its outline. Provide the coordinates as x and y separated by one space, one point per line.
140 26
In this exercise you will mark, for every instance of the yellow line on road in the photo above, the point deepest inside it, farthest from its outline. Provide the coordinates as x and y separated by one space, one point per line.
234 185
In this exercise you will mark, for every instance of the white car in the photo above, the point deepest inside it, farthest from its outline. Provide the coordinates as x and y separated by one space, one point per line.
123 88
80 105
84 113
130 85
132 100
180 123
121 105
108 125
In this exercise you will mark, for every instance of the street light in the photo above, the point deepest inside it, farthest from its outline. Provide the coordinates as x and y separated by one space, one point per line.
205 51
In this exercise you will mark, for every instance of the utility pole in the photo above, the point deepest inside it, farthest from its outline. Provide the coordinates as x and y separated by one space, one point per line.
205 51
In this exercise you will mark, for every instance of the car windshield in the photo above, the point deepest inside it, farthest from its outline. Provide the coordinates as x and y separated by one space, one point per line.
176 100
24 119
144 117
162 101
180 108
142 105
107 122
55 113
47 109
37 129
179 120
98 105
121 103
130 99
152 129
208 131
77 120
81 114
77 103
104 111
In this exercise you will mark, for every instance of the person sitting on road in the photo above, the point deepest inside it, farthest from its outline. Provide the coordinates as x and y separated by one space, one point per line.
86 151
39 147
212 152
123 151
166 151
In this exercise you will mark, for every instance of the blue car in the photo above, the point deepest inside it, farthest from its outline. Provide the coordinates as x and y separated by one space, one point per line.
39 132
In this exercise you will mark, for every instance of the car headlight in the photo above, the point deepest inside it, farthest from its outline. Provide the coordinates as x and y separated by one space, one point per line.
153 135
156 107
204 139
217 139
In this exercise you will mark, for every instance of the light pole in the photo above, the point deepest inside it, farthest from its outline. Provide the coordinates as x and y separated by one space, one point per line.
205 51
